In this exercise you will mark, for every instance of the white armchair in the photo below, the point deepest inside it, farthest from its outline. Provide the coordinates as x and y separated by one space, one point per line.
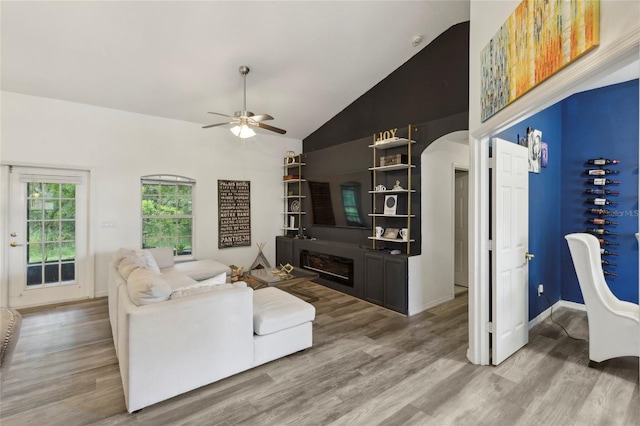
614 325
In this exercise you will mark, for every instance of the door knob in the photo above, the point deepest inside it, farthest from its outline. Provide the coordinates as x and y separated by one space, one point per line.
14 244
529 256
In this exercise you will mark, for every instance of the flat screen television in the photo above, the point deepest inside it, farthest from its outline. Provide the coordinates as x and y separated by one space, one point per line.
340 200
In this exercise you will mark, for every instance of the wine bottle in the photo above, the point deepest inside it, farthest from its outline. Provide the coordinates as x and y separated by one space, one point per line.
601 221
600 201
602 212
603 181
600 191
600 231
604 242
613 274
601 172
606 262
605 252
602 161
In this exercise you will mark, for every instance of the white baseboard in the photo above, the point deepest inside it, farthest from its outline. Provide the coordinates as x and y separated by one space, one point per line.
559 304
429 305
571 305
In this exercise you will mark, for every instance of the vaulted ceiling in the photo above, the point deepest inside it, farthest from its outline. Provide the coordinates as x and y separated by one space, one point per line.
178 59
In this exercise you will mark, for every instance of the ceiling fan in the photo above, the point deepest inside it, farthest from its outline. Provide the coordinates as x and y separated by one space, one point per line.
244 119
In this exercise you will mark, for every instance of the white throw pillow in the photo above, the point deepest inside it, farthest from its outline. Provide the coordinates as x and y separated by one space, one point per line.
148 260
121 254
128 264
146 287
218 279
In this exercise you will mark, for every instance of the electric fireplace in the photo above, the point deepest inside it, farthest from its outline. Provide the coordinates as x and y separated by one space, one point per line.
334 268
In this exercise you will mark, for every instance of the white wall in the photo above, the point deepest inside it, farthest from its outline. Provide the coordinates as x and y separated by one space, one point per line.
431 273
118 147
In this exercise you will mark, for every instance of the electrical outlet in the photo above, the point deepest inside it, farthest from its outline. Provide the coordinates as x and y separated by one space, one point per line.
540 289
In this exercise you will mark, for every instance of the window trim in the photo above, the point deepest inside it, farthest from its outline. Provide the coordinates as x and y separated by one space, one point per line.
171 179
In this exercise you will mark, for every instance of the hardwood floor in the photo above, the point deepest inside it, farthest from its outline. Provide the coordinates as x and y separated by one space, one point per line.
368 366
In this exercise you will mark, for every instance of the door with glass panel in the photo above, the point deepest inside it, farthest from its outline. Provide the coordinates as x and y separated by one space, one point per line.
47 253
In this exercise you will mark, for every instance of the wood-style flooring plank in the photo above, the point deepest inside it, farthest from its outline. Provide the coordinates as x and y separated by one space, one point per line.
367 366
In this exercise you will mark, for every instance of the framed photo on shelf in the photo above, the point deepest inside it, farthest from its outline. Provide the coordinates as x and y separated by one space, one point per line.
390 205
391 233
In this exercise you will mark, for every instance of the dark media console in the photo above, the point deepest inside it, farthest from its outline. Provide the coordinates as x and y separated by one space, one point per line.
376 277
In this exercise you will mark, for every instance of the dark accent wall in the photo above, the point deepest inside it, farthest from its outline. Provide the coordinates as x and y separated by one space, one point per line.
433 84
357 156
429 91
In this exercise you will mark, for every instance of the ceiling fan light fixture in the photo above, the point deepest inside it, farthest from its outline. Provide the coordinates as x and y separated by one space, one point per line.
244 120
243 131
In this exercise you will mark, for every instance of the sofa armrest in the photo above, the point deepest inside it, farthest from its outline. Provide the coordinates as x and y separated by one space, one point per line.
175 346
201 269
115 281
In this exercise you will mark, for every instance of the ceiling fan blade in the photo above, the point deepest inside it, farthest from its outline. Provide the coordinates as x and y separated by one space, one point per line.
261 117
217 113
273 129
217 124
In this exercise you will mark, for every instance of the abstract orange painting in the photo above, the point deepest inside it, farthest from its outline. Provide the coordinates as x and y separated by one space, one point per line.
538 39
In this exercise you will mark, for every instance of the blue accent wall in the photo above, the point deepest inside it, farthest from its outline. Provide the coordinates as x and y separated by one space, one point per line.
602 123
597 123
544 208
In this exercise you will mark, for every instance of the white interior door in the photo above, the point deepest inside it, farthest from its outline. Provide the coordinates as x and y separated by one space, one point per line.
47 253
510 229
461 255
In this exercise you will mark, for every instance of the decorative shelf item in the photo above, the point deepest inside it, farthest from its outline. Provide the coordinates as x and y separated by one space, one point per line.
392 191
391 143
396 191
390 205
293 208
390 215
391 167
391 240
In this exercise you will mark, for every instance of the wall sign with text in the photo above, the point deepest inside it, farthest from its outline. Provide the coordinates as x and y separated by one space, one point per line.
234 213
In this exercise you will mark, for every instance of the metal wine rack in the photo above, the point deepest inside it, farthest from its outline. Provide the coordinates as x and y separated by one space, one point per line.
602 215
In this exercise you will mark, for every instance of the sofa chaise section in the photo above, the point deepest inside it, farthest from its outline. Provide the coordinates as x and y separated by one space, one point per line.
281 323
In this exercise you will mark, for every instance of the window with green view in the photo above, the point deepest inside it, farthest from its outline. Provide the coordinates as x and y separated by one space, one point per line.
167 213
51 225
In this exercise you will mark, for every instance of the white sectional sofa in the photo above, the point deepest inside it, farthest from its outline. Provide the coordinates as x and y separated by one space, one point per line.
177 327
